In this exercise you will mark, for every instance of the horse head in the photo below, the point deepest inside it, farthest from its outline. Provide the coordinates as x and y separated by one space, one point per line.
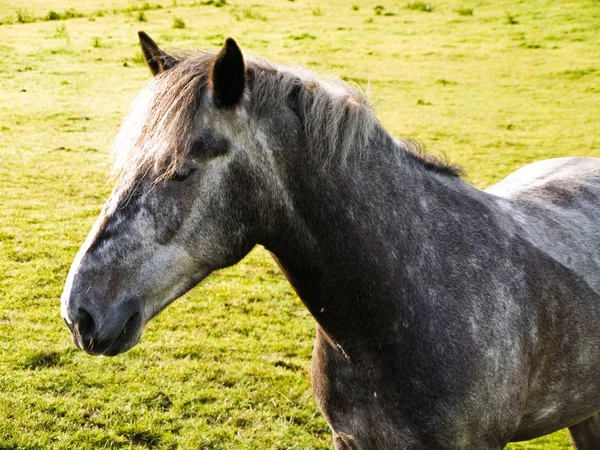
186 201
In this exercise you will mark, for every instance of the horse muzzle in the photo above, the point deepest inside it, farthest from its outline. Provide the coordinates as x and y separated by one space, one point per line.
110 333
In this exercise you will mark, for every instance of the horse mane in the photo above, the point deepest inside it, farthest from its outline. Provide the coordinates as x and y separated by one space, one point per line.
337 118
438 163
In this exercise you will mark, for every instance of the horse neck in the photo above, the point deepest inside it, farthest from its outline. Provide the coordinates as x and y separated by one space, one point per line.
358 236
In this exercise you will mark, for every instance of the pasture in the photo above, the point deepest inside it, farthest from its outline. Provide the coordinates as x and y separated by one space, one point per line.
494 86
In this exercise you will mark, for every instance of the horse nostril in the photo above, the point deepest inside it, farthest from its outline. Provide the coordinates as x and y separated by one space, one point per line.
85 325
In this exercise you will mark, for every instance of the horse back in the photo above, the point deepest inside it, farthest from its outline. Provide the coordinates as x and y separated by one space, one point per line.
571 184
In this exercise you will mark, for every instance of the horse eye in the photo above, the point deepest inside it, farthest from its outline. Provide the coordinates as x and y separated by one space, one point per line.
182 174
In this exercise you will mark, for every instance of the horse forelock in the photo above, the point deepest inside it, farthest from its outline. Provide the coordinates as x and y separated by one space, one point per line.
158 132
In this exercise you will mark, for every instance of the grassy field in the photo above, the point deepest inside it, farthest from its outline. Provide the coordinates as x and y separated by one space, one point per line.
495 85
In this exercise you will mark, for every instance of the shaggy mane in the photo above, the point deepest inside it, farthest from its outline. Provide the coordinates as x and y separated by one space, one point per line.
157 133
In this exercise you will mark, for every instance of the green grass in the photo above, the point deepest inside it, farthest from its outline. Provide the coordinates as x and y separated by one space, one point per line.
465 11
420 6
178 23
227 366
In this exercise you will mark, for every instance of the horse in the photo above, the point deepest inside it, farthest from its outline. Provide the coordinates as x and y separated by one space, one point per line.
448 317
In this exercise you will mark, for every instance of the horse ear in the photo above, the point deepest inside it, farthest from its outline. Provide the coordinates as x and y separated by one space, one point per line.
228 75
157 60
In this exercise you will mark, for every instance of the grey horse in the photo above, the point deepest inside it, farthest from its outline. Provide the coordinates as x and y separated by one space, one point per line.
448 317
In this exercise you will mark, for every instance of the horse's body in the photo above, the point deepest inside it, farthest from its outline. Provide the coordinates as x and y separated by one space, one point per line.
448 317
500 342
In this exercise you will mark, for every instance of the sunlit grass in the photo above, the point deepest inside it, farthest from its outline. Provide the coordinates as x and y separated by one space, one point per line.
494 85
